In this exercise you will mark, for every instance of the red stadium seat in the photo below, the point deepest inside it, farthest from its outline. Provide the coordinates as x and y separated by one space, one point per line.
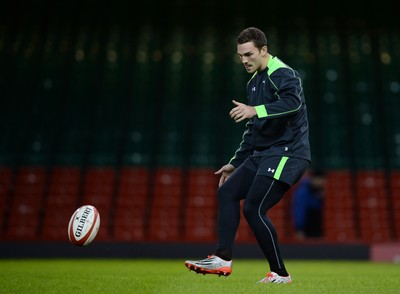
395 201
372 199
99 188
26 208
129 224
6 182
165 217
62 201
200 222
131 207
339 207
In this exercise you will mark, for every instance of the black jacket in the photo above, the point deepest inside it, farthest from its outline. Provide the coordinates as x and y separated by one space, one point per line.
281 125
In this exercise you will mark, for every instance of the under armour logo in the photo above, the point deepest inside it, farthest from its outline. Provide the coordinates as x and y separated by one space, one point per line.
271 170
286 149
254 89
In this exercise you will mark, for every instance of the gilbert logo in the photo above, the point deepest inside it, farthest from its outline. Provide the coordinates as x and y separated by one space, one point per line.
271 170
82 222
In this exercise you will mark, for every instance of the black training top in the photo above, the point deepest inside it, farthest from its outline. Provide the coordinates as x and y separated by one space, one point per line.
280 127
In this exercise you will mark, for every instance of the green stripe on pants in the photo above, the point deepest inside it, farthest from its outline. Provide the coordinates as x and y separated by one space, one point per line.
279 169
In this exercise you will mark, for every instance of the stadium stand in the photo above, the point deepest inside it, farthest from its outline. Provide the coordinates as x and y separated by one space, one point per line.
200 206
26 207
62 200
6 185
165 220
99 189
395 202
373 206
134 120
339 207
131 204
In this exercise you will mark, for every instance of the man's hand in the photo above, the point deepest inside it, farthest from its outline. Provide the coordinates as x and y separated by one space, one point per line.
225 172
242 111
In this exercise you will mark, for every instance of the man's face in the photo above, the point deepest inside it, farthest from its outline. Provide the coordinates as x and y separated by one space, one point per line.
318 182
251 57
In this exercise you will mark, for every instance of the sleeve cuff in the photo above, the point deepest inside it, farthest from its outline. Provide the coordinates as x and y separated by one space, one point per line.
261 111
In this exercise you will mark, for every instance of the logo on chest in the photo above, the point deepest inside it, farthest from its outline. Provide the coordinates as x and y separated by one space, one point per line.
253 89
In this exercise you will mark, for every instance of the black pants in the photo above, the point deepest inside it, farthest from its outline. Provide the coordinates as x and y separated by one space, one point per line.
260 194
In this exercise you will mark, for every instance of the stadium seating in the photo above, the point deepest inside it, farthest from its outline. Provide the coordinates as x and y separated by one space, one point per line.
62 200
6 185
201 206
134 120
26 208
131 210
99 189
373 206
166 205
394 202
339 220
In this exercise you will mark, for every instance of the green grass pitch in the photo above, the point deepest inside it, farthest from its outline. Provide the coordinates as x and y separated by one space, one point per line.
171 276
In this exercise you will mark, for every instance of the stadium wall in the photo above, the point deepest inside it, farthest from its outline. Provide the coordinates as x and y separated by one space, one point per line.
384 252
178 250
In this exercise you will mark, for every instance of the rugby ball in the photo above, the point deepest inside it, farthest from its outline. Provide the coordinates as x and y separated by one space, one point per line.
83 225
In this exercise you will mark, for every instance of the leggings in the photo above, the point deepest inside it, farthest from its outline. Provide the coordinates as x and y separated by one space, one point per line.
260 193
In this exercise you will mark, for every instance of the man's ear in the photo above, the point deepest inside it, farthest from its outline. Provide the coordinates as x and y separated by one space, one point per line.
264 50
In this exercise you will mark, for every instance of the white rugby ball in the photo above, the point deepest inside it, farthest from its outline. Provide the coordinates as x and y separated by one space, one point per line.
84 225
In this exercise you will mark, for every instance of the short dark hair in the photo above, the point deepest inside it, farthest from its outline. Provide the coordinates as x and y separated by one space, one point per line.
252 34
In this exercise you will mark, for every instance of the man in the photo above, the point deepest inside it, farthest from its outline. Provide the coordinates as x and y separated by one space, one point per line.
273 155
308 202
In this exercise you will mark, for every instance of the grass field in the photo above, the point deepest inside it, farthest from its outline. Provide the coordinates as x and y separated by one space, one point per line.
170 276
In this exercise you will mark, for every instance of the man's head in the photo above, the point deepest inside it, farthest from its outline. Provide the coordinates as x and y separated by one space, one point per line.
254 35
252 49
317 179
